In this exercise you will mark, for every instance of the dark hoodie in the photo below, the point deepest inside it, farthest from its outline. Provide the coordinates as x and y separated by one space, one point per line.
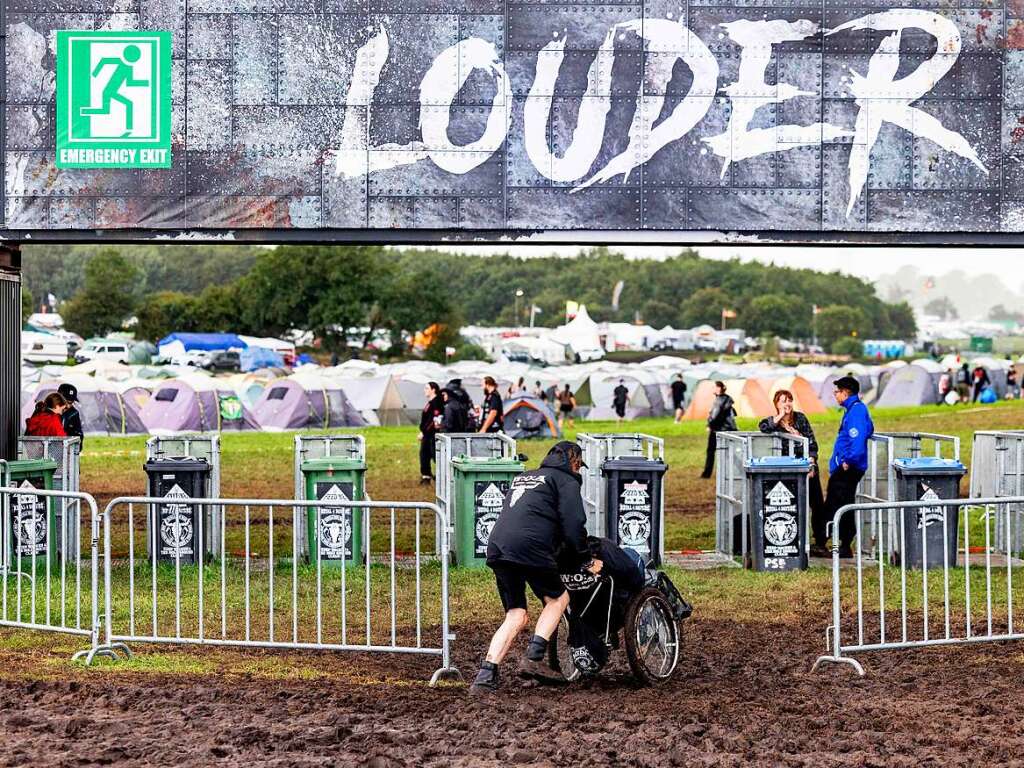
722 417
543 517
456 418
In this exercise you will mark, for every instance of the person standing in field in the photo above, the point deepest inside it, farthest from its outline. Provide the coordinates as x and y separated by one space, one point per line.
430 422
792 422
71 418
679 396
620 399
945 385
492 410
980 380
1012 388
721 418
542 524
566 407
849 459
963 383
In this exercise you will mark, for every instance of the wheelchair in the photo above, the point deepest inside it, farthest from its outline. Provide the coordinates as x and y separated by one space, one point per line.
647 621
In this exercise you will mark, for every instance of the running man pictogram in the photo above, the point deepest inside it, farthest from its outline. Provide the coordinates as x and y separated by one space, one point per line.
122 77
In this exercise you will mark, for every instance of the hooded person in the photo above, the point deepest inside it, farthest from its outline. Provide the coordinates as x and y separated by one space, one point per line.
461 396
542 525
455 417
721 418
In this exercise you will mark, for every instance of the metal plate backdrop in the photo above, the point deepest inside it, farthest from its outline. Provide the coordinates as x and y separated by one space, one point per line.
264 99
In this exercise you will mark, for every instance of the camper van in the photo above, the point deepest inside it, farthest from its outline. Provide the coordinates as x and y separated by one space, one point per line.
38 347
104 349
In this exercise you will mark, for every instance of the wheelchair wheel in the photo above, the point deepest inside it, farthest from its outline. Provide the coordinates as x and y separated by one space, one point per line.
560 655
652 637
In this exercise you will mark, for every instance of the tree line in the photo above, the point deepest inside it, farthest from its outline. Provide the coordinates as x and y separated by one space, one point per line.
336 292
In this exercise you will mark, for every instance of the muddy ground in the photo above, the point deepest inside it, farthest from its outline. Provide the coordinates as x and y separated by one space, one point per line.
744 696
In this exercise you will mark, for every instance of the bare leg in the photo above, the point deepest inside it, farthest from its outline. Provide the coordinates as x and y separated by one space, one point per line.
554 607
515 622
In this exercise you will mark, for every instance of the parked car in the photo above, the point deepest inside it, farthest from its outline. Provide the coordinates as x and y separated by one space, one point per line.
223 360
103 349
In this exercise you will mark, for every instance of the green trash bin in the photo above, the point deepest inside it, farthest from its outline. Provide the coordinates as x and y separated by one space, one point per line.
33 521
479 491
340 539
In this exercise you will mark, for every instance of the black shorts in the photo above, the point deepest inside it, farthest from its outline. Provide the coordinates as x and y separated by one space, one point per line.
620 410
565 407
513 578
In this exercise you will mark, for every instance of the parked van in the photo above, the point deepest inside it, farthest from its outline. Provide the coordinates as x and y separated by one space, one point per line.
104 349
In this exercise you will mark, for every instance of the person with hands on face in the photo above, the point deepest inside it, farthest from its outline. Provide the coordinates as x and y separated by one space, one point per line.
796 423
542 525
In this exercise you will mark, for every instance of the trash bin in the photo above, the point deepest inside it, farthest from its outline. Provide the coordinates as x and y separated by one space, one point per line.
480 485
926 479
340 537
173 528
633 491
777 490
33 522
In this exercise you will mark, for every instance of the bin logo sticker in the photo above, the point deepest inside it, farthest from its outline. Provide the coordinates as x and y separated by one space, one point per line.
113 99
928 515
489 498
635 516
335 522
176 525
781 525
29 523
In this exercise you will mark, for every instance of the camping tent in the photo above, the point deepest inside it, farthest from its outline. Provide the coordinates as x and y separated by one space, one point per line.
195 404
378 400
581 335
527 416
749 395
602 387
101 405
805 398
296 404
909 385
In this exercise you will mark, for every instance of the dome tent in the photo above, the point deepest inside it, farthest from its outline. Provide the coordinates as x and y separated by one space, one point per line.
909 385
294 404
195 404
527 416
101 406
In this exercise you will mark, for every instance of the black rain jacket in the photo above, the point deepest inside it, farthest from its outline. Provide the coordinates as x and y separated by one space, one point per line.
72 421
542 522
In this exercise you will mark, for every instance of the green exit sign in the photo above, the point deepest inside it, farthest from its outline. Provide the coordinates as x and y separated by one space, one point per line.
113 99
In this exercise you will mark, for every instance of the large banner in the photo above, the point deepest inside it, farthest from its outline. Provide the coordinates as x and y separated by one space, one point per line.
656 120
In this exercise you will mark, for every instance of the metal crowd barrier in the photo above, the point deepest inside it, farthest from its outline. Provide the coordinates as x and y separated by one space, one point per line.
66 452
734 450
879 481
261 594
598 448
45 590
997 469
885 606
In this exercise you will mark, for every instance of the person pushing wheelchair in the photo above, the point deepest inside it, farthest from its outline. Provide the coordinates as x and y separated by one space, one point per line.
542 524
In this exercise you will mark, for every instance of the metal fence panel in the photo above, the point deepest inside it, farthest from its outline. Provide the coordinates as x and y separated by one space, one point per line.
392 597
886 603
598 448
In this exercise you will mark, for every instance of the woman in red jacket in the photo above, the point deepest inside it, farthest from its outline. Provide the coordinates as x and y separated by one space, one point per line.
45 422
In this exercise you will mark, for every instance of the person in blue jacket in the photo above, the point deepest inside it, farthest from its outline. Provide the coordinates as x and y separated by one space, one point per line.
849 460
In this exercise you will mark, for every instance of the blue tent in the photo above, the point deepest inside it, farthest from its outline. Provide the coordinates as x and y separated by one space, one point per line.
254 358
176 343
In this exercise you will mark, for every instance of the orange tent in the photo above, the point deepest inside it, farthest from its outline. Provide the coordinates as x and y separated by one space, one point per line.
750 396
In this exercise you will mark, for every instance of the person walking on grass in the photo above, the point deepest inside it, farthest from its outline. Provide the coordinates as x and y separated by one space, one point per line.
620 399
721 418
542 523
430 421
492 411
566 407
849 459
679 396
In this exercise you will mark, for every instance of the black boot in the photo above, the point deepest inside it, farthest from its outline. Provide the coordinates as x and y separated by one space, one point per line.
487 680
534 664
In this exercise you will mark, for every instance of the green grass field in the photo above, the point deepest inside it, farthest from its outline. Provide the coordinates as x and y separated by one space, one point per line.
260 466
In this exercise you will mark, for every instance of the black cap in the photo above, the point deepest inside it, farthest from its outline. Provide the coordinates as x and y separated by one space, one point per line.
848 383
568 449
69 391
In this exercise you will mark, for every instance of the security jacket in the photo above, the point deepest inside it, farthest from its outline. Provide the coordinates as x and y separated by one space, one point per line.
542 518
855 430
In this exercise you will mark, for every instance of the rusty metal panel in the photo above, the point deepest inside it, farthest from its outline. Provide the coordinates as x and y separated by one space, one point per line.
660 120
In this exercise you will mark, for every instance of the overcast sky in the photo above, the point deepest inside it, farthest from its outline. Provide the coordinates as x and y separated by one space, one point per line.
865 262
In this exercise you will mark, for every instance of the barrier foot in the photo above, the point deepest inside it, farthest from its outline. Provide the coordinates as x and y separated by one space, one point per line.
446 674
106 651
838 660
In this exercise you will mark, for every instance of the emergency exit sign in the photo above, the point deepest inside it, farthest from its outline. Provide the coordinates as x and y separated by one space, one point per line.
113 99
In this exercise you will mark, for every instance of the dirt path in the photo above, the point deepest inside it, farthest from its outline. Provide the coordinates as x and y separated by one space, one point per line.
744 697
